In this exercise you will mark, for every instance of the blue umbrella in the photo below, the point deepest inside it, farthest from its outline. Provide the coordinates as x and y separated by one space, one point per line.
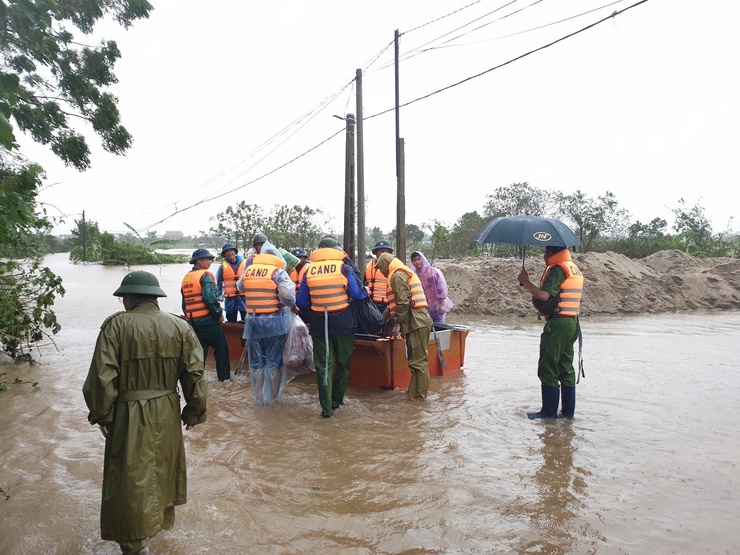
525 231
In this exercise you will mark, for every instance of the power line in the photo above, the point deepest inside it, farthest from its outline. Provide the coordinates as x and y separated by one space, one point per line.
145 228
614 14
315 111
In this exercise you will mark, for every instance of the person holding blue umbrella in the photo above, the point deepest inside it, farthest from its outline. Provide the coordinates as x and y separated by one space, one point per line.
558 299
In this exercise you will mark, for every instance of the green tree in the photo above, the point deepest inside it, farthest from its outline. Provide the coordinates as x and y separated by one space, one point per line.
440 235
375 235
49 77
693 229
290 227
238 224
27 289
414 237
592 217
517 199
85 242
460 242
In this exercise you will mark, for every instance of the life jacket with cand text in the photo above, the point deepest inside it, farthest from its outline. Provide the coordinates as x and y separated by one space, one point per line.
571 288
260 290
326 282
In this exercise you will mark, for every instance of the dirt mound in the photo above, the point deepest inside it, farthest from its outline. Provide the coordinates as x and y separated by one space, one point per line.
667 281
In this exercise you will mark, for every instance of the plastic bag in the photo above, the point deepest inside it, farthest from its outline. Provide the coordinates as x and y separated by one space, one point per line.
369 319
298 352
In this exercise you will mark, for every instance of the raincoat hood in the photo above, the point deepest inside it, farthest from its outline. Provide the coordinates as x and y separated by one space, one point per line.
424 264
384 262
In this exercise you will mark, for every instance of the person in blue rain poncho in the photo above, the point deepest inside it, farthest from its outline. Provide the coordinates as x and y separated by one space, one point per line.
270 297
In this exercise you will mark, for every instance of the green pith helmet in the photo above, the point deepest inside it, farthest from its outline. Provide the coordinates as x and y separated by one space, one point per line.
383 244
139 283
328 243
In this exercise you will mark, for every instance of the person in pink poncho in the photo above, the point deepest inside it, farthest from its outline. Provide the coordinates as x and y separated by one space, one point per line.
435 287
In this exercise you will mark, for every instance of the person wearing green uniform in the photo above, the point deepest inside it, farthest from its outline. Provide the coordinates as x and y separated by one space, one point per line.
132 393
328 287
203 310
408 306
558 299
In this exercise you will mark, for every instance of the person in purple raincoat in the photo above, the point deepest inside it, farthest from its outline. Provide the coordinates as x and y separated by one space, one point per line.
435 287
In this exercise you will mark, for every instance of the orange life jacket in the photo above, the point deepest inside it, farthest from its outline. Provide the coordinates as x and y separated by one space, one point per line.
571 289
326 282
260 290
377 283
297 275
417 299
231 277
192 294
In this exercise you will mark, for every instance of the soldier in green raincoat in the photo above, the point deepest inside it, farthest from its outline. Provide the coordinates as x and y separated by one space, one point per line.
132 393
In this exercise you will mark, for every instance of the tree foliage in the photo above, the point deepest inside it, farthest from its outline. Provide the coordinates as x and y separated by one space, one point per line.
285 226
49 77
27 288
295 226
518 199
593 218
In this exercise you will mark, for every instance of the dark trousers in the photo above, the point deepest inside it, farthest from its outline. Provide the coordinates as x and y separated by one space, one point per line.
555 366
211 334
332 387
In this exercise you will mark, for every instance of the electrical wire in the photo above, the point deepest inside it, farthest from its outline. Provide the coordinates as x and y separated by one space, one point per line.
322 106
453 85
180 211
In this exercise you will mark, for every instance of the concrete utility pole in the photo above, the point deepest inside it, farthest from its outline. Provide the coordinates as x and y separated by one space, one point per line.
361 248
400 172
401 205
349 189
84 238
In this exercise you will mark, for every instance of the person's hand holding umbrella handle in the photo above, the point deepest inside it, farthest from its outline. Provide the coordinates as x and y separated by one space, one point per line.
523 277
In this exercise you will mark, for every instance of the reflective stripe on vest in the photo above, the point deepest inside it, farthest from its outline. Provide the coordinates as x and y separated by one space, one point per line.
417 298
231 277
260 290
192 294
326 282
377 283
571 289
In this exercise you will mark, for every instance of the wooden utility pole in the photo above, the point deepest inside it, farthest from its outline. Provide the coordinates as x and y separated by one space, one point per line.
400 186
361 248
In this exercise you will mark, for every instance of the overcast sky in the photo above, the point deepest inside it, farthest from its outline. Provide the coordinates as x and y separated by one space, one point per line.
219 94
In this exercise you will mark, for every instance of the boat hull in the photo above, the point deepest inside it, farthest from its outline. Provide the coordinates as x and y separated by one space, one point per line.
381 362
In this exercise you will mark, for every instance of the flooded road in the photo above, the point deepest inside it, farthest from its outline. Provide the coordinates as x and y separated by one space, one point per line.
649 464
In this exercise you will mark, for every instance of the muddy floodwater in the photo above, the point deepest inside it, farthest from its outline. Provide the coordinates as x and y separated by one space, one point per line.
649 464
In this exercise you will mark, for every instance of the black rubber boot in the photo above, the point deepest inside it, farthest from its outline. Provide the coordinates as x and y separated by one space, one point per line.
568 395
550 402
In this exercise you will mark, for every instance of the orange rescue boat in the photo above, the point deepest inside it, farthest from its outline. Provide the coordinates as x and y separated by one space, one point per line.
381 362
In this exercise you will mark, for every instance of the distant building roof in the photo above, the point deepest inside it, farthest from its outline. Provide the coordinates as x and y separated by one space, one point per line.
173 234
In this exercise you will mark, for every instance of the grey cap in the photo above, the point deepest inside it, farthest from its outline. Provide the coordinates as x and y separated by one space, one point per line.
139 283
258 239
201 253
